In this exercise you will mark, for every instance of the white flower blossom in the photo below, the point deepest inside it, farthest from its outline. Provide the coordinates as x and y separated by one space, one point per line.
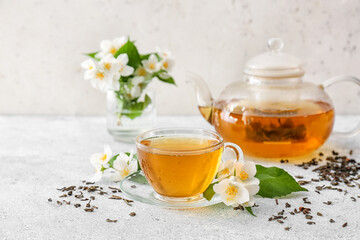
136 88
99 78
141 72
134 91
123 166
231 191
225 170
245 173
100 161
163 53
167 62
110 47
109 64
88 64
152 64
124 69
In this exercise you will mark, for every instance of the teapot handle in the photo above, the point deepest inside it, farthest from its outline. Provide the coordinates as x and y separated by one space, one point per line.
338 79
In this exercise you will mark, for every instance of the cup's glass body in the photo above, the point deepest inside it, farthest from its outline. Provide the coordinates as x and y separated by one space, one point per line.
179 163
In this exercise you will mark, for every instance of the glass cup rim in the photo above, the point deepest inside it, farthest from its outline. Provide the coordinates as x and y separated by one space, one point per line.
199 131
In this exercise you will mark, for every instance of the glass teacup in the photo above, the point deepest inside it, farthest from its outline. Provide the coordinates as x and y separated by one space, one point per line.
181 163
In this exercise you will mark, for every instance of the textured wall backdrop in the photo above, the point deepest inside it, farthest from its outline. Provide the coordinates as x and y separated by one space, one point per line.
41 42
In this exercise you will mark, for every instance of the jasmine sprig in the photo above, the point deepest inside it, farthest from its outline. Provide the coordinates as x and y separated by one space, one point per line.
236 182
122 164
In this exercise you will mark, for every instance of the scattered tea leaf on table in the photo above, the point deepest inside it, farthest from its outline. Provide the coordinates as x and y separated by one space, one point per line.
276 182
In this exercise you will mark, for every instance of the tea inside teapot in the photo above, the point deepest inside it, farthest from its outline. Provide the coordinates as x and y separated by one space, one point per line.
274 129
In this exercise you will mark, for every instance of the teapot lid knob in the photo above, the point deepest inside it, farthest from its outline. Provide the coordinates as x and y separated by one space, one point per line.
274 63
275 44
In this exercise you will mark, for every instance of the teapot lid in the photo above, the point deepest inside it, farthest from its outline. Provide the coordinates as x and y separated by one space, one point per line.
274 63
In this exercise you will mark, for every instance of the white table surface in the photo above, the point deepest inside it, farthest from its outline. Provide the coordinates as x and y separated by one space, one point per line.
41 153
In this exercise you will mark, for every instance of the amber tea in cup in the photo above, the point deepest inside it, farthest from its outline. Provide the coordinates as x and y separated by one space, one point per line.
180 163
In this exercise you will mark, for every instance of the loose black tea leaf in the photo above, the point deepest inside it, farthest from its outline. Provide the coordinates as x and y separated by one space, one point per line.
287 205
127 201
112 221
115 197
239 208
117 189
303 182
308 217
332 220
287 228
132 214
319 214
77 205
311 223
88 209
344 225
49 200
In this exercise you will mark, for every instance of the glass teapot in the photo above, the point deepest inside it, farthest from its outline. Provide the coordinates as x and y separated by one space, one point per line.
272 113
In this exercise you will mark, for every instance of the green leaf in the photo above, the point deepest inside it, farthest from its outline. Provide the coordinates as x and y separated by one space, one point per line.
111 161
249 210
276 182
209 192
146 56
138 178
169 79
130 49
92 55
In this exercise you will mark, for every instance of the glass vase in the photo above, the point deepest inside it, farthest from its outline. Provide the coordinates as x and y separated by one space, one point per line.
124 124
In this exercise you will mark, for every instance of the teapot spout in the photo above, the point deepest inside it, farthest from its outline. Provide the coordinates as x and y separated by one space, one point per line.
203 96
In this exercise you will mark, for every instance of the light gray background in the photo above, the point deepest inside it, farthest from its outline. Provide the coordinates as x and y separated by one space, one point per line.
41 44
